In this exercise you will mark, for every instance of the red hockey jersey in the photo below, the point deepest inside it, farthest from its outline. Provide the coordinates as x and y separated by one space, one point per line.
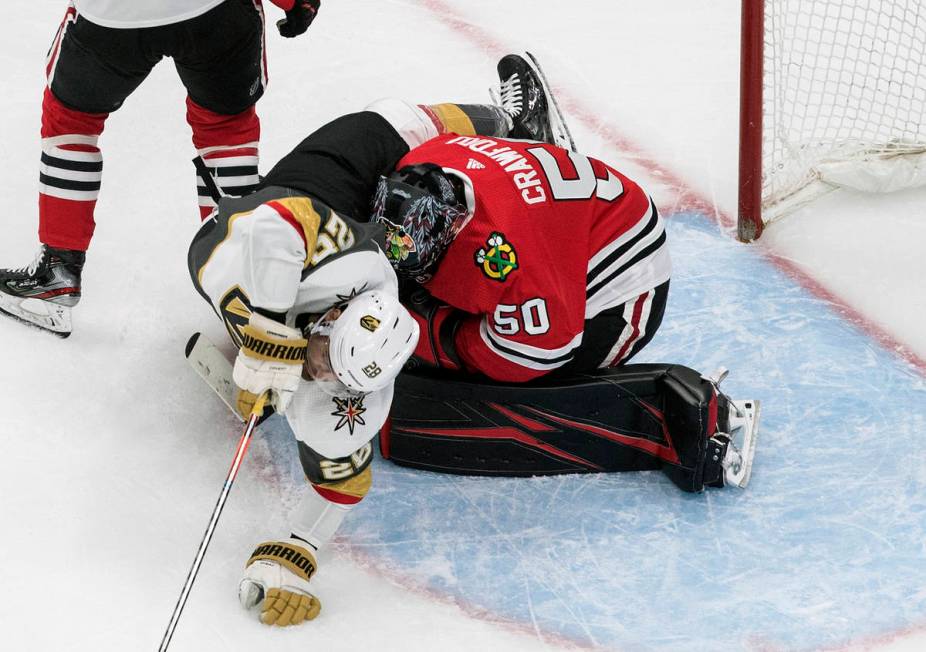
555 237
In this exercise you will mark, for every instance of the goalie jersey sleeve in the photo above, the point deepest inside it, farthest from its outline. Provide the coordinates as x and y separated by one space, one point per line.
554 239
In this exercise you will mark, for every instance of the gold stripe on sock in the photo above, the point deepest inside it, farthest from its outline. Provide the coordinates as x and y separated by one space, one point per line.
454 119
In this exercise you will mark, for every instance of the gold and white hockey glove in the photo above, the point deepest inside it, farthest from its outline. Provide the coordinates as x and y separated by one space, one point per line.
270 357
277 578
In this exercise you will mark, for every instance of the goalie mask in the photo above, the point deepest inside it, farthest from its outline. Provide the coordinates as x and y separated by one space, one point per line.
422 212
360 346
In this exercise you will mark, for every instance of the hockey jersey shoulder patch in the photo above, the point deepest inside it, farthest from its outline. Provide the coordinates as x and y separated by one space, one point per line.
498 258
301 214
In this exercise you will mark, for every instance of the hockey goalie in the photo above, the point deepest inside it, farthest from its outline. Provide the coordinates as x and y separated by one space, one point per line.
527 262
535 274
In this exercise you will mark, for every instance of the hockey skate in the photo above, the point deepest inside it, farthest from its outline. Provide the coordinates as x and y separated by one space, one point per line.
42 293
524 94
731 450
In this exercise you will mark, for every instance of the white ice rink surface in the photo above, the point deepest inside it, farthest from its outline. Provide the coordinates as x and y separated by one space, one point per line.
113 453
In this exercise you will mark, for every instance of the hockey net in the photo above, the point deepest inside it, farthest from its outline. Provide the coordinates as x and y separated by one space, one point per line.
833 95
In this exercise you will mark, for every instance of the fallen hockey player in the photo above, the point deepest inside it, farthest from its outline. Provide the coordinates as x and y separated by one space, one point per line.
312 304
533 274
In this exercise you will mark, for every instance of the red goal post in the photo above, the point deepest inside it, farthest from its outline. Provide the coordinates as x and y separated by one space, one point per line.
832 94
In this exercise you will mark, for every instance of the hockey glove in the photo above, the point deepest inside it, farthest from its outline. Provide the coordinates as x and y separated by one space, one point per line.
270 358
298 18
277 578
438 324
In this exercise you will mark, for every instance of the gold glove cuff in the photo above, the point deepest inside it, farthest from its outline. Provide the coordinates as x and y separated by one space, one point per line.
295 558
259 344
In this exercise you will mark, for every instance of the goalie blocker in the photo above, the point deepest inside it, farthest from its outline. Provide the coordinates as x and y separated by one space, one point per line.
638 417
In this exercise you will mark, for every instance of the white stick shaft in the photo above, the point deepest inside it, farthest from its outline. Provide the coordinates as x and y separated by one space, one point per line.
201 553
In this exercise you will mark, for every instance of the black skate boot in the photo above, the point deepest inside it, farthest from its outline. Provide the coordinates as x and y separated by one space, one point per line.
525 96
43 293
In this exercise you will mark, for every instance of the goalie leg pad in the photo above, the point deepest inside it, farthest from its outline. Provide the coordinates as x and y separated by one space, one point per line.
632 418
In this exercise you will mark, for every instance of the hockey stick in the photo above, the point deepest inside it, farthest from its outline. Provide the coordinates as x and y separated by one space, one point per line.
215 192
213 367
255 415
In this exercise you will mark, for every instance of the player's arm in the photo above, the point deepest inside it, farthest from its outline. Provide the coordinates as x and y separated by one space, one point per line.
278 573
515 344
512 357
260 255
438 324
279 239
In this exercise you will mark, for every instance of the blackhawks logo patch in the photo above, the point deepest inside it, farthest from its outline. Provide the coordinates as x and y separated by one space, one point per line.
349 411
398 243
498 259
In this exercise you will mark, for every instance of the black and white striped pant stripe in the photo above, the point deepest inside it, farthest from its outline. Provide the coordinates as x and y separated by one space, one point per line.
73 174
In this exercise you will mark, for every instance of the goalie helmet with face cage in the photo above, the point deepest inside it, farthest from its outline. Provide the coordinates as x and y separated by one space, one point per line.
422 209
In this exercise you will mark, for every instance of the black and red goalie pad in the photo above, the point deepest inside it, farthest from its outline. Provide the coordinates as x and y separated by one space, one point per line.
633 418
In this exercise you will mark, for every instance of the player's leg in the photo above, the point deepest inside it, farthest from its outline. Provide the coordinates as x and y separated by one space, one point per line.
468 119
526 97
524 107
220 58
617 334
91 70
278 573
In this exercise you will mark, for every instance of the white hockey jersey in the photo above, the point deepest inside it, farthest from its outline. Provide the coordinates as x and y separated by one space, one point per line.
141 13
291 254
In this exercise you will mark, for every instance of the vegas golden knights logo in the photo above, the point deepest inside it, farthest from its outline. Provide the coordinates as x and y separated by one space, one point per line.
235 310
369 322
349 412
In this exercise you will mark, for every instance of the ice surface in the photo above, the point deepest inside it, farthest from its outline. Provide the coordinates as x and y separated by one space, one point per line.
114 452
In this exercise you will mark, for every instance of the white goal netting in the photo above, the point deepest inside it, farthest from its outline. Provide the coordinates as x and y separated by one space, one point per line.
844 98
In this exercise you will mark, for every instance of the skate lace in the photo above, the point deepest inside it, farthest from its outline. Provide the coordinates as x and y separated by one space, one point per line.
510 97
34 265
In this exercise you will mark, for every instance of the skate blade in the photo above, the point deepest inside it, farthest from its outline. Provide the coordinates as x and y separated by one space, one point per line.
744 429
562 136
44 315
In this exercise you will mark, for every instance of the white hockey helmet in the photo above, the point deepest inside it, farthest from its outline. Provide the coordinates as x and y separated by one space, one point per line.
361 347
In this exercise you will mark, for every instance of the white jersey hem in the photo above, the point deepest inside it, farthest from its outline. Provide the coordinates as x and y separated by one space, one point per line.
151 22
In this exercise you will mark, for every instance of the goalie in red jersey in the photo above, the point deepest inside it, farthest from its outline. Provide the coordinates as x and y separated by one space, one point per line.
557 262
534 273
531 257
